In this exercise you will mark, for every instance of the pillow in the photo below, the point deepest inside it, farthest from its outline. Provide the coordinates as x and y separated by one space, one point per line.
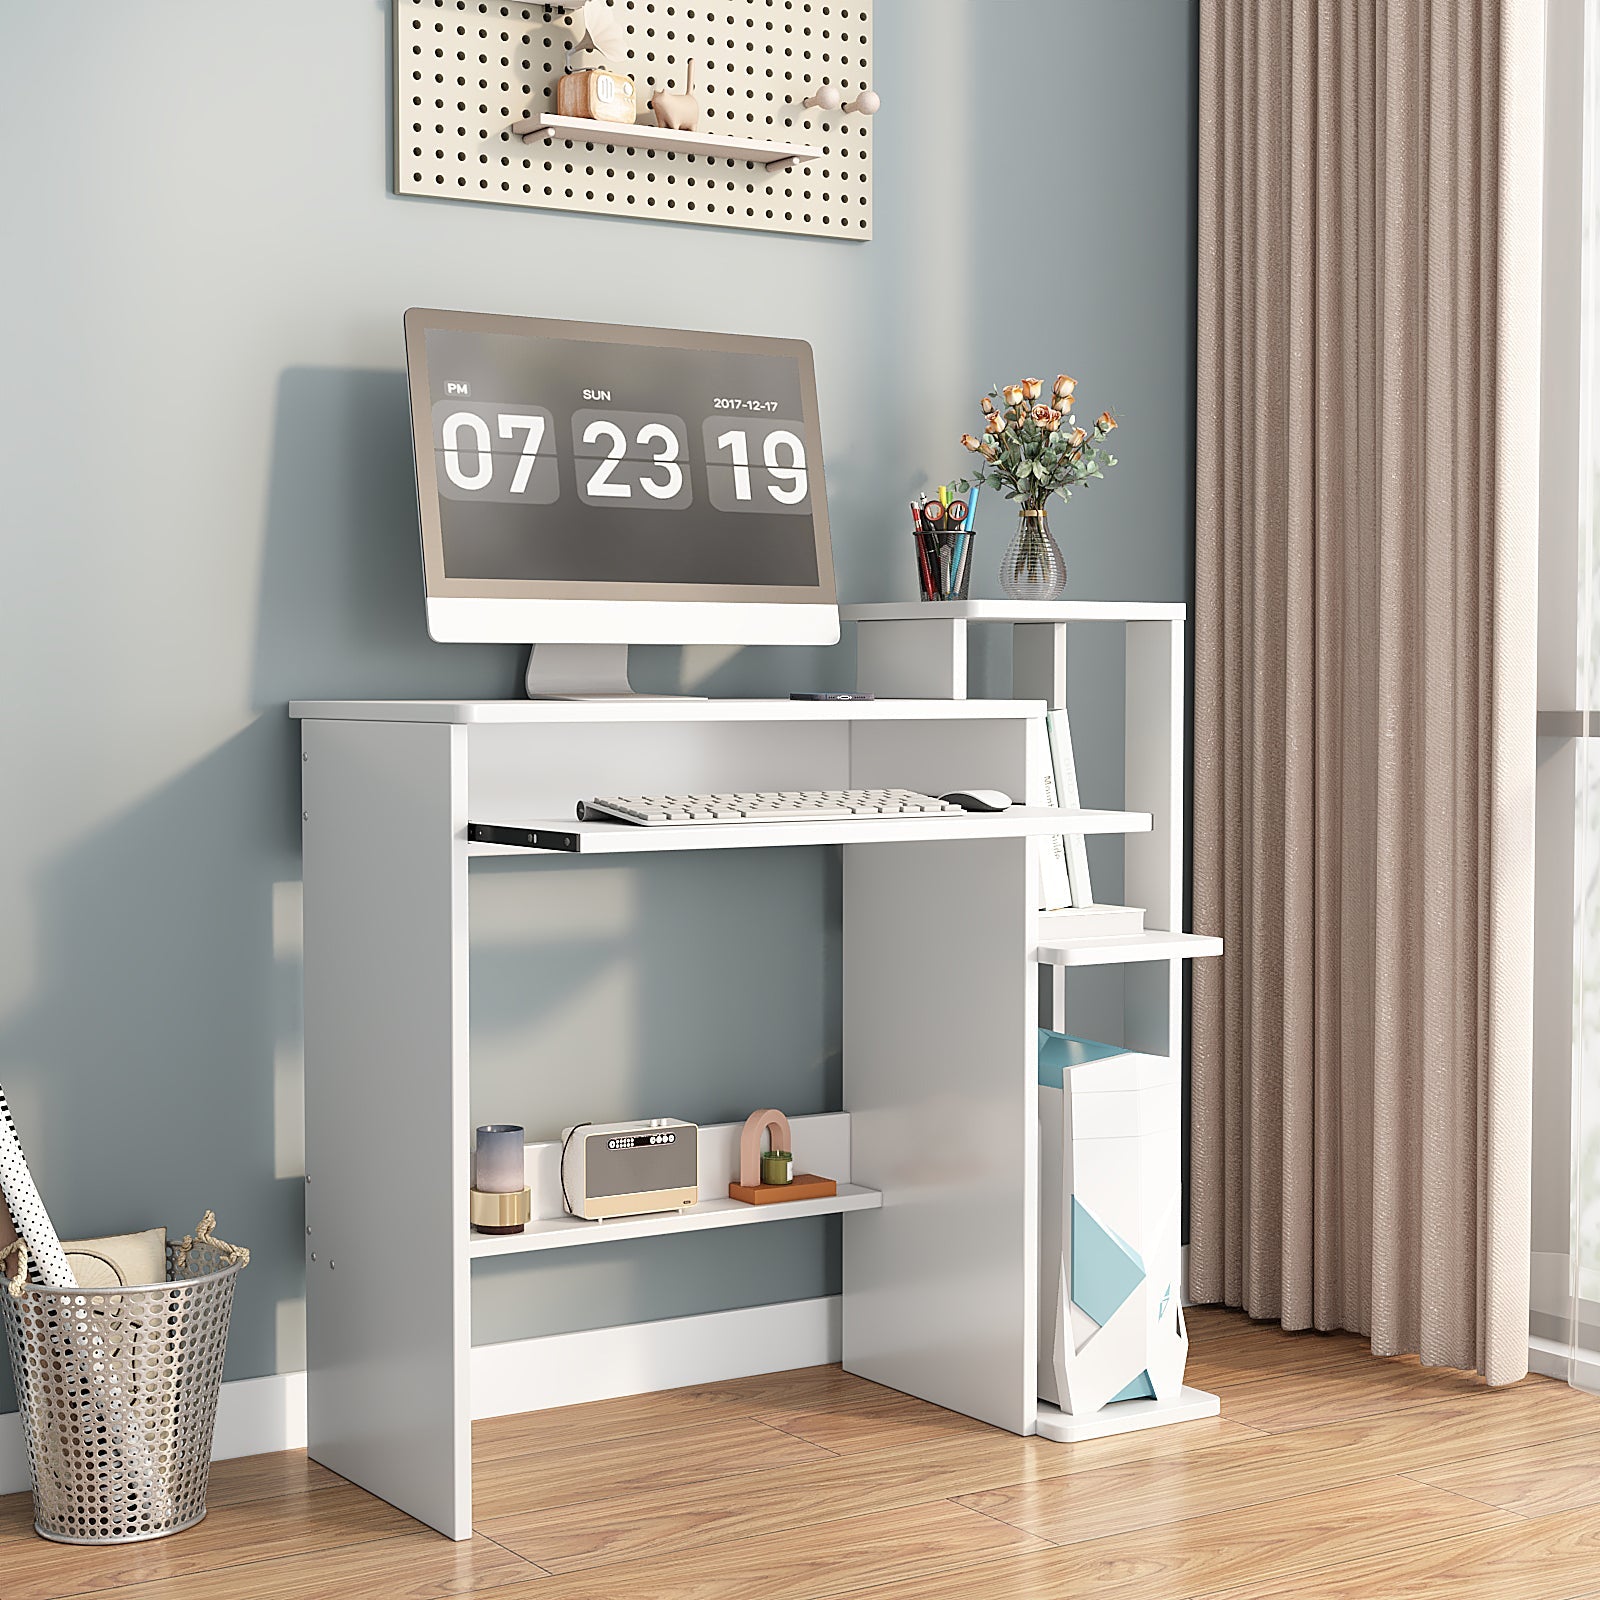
126 1259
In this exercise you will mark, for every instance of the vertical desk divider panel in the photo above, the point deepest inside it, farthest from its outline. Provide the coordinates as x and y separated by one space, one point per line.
940 1052
924 658
388 1326
1039 672
1153 862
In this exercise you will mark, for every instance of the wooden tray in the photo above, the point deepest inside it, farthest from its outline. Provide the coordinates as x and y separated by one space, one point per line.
803 1186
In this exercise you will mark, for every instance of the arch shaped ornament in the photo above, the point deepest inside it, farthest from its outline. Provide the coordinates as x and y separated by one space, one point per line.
756 1124
749 1187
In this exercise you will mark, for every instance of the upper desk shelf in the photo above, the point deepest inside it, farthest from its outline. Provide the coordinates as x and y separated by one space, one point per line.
920 646
1016 611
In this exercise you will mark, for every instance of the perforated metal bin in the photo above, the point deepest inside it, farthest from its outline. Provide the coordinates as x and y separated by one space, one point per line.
118 1393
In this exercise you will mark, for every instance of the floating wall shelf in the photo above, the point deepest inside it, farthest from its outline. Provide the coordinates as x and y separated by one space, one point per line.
631 136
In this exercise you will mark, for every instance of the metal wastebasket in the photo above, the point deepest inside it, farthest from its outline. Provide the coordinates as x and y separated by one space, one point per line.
118 1392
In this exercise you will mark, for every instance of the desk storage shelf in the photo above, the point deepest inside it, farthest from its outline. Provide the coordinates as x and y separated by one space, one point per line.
821 1144
555 1233
1152 945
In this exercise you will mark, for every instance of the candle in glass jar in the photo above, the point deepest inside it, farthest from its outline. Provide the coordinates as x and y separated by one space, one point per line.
497 1166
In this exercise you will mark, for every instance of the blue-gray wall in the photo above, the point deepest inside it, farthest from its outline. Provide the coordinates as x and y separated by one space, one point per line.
205 486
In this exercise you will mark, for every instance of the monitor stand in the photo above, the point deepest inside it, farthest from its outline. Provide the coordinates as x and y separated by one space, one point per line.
585 672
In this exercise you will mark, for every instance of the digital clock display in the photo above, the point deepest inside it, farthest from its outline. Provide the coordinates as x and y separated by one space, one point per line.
568 460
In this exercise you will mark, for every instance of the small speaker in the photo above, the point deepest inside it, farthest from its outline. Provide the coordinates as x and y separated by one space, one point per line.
627 1169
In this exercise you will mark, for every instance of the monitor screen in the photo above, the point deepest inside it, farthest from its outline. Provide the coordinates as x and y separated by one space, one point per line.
588 462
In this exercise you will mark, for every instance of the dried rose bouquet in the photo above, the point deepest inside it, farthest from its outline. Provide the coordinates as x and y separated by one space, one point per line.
1033 448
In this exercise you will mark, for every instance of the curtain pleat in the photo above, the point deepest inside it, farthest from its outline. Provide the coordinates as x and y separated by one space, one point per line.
1363 669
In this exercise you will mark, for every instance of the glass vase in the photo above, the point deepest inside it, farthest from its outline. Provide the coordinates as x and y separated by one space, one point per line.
1034 568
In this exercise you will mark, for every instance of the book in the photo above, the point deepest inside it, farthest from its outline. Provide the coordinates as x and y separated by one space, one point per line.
1055 886
1064 768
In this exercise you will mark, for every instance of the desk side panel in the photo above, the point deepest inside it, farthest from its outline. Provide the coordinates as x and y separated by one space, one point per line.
387 1304
940 1047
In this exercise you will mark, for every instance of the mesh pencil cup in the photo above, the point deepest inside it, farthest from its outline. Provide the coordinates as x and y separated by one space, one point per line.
944 563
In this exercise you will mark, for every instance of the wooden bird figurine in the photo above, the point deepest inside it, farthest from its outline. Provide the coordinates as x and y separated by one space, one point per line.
679 111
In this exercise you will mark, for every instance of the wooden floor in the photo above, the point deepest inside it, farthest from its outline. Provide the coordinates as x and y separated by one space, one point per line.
1328 1475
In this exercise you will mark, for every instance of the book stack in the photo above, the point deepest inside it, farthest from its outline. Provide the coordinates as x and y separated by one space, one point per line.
1064 859
1064 864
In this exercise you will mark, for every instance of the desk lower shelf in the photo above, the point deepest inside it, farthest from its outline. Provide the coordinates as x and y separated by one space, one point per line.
556 1233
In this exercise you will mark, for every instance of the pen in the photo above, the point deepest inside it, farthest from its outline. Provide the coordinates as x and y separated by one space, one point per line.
966 540
919 535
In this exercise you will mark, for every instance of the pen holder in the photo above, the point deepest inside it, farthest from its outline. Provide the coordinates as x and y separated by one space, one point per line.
944 564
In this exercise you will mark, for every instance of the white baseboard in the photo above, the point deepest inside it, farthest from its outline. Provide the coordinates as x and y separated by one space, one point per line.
255 1415
566 1369
1553 1359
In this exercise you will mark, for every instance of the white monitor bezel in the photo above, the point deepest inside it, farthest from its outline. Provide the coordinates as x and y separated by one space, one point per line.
524 611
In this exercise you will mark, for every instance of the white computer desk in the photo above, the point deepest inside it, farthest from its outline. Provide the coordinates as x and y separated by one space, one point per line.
936 1148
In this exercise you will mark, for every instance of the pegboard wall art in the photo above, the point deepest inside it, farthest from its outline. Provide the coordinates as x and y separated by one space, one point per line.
783 143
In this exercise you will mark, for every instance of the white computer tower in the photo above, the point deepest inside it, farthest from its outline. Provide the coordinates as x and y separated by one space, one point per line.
1110 1323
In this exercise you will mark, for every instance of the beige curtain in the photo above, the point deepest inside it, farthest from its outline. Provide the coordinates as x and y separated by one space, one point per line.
1364 658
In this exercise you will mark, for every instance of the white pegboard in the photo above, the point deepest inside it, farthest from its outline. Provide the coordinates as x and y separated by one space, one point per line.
465 70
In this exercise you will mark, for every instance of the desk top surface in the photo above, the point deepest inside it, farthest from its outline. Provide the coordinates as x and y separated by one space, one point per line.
485 712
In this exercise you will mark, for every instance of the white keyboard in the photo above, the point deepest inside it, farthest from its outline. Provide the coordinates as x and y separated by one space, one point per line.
773 805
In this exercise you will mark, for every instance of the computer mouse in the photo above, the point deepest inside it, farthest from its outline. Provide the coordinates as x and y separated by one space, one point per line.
979 799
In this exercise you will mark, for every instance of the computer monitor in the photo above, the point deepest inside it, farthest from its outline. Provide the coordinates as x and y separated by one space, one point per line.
584 487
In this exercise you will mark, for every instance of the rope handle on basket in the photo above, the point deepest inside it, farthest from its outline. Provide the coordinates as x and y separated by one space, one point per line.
15 1284
235 1254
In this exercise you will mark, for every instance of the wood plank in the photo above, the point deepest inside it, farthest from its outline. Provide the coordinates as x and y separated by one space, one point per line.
1553 1558
414 1566
267 1477
856 1553
808 1388
230 1536
576 1471
655 1522
1279 1403
1272 1467
887 1424
1261 1351
1377 1519
1218 1327
1535 1480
